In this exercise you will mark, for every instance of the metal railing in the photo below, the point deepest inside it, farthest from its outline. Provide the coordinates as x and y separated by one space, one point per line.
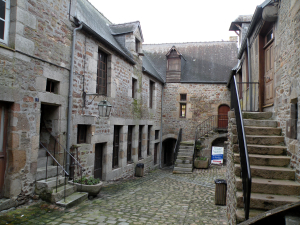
244 159
248 95
176 149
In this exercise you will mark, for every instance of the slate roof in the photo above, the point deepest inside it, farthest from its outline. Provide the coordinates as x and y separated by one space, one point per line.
149 68
125 28
96 23
205 62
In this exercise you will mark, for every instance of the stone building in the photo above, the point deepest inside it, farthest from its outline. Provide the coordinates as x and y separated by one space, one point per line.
269 56
60 60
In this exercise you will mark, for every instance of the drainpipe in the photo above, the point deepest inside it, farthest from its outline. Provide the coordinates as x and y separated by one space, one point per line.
249 72
70 103
161 125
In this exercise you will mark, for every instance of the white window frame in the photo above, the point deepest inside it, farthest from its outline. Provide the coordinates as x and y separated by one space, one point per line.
6 21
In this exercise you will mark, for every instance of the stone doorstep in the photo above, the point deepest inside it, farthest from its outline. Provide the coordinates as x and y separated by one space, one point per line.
73 199
259 130
52 172
183 169
265 160
50 183
42 153
185 158
184 165
261 140
266 201
55 197
43 160
184 154
257 123
179 161
257 115
263 149
268 172
271 186
6 204
181 172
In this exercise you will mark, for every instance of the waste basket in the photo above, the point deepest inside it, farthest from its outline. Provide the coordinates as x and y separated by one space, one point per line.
220 192
139 170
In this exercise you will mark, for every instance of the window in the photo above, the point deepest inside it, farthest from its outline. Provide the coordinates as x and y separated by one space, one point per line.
148 140
156 134
137 45
269 36
116 144
182 110
102 74
182 97
134 88
82 133
129 144
155 153
140 141
151 91
4 20
52 86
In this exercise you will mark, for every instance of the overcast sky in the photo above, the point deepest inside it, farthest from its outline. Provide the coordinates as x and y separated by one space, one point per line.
171 21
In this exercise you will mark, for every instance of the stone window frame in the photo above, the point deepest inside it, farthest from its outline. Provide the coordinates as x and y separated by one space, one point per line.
6 21
134 88
104 62
137 45
151 94
84 133
183 105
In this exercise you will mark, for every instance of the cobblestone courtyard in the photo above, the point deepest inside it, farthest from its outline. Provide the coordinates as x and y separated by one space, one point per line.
160 197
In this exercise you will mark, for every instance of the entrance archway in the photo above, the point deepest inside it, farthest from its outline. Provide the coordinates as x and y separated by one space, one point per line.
168 146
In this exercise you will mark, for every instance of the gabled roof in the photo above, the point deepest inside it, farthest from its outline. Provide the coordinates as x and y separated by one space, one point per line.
149 68
97 24
256 17
125 28
239 21
205 62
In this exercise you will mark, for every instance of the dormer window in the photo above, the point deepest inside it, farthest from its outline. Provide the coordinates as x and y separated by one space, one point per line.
174 60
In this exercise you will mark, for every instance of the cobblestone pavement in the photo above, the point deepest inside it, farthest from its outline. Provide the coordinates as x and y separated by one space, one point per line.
160 197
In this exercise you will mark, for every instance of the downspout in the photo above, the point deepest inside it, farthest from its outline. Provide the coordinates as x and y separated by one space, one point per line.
161 125
249 72
70 103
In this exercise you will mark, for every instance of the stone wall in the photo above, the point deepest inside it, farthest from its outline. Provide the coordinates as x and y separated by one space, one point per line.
203 101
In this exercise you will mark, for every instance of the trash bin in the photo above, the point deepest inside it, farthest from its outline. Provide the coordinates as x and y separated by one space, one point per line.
221 190
139 170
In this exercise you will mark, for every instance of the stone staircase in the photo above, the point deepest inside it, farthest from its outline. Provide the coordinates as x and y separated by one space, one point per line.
273 181
46 188
184 161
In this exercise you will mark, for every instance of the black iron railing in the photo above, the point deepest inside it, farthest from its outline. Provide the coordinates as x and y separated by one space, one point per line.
244 160
248 95
177 145
213 123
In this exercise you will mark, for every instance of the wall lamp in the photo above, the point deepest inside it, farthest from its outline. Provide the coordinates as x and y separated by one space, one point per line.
104 108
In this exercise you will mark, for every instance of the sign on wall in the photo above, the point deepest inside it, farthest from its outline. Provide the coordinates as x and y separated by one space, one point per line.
217 154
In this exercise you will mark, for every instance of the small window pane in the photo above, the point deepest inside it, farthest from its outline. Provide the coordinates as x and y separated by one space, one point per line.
2 10
270 36
182 97
182 110
2 29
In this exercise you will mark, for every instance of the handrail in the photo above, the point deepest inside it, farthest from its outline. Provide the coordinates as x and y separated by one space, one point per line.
244 159
78 163
176 149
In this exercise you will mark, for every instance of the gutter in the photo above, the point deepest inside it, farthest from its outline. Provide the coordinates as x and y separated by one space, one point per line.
70 103
86 27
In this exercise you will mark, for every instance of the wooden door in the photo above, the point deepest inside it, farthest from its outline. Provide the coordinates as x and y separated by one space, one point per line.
269 75
223 116
129 143
98 161
3 136
116 143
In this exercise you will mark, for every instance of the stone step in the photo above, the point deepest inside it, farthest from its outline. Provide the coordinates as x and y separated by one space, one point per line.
182 169
263 149
270 186
187 154
261 140
259 130
51 172
265 160
73 199
268 172
190 165
185 158
240 214
43 161
257 123
266 201
42 153
179 161
257 115
187 143
57 196
181 172
186 150
50 183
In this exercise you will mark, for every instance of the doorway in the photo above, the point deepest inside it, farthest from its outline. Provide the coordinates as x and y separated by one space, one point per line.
168 151
3 137
223 116
98 167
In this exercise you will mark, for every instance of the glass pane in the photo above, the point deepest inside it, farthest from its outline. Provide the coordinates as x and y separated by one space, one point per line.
2 9
2 129
2 29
